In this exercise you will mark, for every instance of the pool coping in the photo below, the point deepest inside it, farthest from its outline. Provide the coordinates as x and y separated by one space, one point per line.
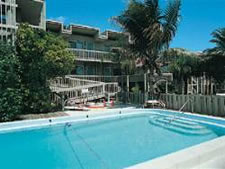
186 158
7 126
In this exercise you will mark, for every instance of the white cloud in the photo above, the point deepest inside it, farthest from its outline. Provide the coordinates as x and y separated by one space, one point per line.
60 19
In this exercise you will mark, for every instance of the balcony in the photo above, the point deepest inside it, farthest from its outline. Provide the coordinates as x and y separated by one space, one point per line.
93 55
31 12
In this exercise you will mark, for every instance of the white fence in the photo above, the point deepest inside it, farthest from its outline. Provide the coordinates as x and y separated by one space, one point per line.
211 105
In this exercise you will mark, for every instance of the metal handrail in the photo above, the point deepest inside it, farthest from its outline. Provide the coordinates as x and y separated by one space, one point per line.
180 110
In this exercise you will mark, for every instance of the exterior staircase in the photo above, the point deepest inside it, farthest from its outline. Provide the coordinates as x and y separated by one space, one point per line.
81 90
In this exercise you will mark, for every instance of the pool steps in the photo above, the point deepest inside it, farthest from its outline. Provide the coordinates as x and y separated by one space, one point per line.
179 125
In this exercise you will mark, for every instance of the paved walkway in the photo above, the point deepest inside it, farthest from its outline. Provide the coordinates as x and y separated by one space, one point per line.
42 116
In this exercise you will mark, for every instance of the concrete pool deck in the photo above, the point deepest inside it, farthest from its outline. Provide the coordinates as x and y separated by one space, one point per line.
208 155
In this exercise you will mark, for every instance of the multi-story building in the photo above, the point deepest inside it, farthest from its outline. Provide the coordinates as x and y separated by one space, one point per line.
14 12
93 49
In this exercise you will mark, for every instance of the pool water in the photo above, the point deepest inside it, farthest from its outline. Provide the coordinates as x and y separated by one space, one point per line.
102 144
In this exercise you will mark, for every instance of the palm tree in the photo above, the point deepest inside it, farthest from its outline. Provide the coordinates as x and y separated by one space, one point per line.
151 29
214 64
184 65
219 41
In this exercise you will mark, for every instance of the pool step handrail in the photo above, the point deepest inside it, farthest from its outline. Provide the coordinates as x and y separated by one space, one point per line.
180 110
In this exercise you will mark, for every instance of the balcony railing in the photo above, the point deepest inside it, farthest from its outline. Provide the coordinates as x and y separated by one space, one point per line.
92 55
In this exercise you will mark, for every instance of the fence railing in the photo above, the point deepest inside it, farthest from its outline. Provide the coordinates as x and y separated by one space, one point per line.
98 78
92 55
78 89
135 98
123 78
210 105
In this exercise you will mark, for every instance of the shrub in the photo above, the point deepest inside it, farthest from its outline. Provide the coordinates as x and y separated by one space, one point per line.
42 56
10 92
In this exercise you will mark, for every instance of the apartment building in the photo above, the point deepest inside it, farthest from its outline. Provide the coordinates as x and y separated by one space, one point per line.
92 48
14 12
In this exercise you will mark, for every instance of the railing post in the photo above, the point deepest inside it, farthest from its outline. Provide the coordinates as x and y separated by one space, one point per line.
128 84
166 87
103 90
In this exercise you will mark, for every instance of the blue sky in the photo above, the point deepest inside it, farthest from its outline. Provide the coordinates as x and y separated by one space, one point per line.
199 17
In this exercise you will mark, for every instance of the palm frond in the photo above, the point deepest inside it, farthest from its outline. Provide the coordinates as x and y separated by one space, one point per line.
171 20
219 41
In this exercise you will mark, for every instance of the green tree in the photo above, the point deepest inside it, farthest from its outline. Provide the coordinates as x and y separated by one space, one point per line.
214 59
124 56
219 41
10 93
42 56
183 64
151 29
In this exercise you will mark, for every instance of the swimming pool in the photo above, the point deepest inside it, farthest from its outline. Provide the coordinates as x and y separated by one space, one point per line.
110 142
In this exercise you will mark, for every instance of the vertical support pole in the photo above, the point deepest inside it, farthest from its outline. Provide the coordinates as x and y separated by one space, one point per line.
63 102
197 85
145 87
166 87
43 22
204 84
103 90
1 14
145 83
128 83
212 86
108 98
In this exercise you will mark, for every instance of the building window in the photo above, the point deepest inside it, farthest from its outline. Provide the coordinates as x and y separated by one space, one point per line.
79 45
2 19
90 46
73 44
91 70
79 70
108 71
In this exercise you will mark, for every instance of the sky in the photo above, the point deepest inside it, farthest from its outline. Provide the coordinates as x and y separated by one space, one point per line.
199 18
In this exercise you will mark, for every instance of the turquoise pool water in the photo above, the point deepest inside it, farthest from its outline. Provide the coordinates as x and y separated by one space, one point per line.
102 144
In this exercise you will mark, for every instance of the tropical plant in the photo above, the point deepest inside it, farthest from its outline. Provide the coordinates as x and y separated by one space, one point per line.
10 93
136 89
219 41
183 65
151 29
42 56
214 59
